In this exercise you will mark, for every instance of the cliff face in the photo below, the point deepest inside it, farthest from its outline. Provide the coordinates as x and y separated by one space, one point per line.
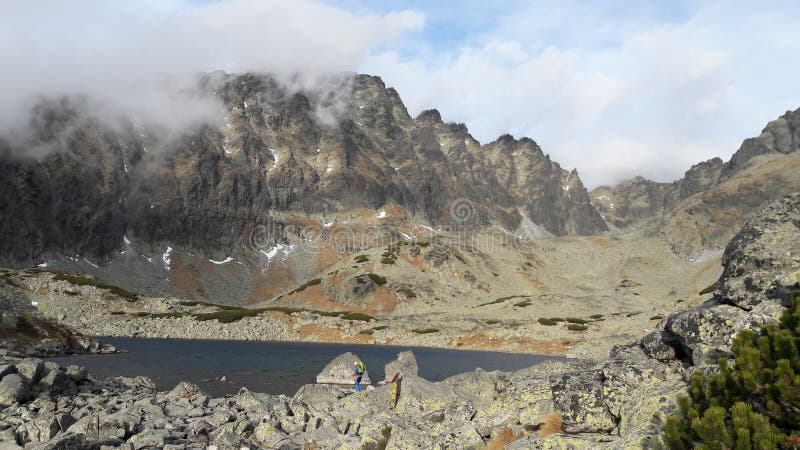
714 199
206 189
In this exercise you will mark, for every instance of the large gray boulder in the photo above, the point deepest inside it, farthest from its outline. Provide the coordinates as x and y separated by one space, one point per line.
315 400
405 364
12 390
32 369
183 391
340 371
579 398
760 265
56 381
762 256
269 436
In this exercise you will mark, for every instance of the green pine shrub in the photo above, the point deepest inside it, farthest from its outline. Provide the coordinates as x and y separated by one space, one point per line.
408 292
79 280
357 316
751 403
576 320
709 289
377 279
167 315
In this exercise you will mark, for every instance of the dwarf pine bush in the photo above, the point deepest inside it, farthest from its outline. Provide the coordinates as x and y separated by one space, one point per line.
753 403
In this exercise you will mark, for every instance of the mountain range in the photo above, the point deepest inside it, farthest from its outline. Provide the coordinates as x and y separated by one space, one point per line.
212 211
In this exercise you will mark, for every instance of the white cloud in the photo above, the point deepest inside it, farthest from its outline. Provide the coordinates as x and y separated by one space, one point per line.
130 54
617 98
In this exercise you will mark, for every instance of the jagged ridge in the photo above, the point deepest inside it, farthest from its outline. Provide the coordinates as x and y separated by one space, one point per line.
205 190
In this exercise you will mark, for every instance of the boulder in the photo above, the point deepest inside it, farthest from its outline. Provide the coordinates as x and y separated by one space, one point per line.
57 381
136 382
629 370
77 374
42 428
762 257
340 371
420 395
759 265
183 391
257 402
657 345
86 345
61 442
705 332
464 437
232 434
579 398
268 436
479 386
405 364
315 400
6 369
32 369
148 439
13 389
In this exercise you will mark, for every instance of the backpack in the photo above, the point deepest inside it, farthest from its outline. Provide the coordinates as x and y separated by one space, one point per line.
360 369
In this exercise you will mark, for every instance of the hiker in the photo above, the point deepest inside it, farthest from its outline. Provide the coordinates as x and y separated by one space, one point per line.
358 372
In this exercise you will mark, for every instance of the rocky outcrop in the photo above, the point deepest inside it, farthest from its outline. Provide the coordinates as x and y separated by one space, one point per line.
761 265
340 371
779 137
24 330
405 365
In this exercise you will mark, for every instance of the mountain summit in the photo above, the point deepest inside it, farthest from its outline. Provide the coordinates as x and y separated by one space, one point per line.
206 189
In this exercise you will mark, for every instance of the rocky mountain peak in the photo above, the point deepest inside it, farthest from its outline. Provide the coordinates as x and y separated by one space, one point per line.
280 152
429 117
702 210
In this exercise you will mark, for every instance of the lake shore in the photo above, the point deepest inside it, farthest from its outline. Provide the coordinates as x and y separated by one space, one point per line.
273 367
94 311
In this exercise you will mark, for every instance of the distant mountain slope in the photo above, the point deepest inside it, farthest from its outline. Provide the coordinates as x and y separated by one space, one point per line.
713 199
207 189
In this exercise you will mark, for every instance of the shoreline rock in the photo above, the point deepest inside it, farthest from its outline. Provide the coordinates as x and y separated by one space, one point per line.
340 371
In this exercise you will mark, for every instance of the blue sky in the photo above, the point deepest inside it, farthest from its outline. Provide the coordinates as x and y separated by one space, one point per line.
613 88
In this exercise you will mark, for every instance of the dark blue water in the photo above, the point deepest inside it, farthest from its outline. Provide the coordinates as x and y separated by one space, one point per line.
273 367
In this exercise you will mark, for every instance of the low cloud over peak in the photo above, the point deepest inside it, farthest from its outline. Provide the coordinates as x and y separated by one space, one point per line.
129 57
